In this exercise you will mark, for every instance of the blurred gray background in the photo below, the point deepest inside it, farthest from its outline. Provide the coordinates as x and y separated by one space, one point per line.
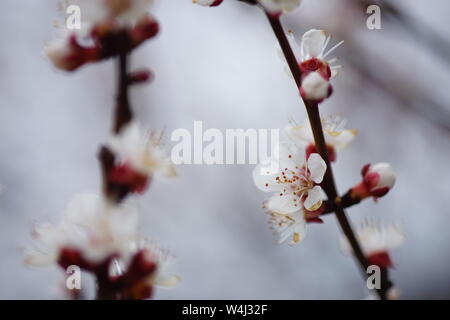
220 66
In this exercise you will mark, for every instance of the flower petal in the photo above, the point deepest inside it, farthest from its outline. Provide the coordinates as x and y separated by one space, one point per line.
284 204
300 228
339 139
317 167
313 42
314 199
265 178
168 281
301 134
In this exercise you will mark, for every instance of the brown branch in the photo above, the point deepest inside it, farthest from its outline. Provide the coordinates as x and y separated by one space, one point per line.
123 113
329 184
342 202
122 116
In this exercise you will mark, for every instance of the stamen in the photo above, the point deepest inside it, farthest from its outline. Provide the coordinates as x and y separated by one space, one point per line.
327 41
332 60
332 49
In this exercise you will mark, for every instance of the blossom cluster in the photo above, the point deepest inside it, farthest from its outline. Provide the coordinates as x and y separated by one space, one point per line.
377 240
99 234
102 238
295 174
107 28
316 68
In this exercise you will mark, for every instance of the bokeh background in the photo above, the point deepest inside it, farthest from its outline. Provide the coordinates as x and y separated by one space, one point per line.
220 66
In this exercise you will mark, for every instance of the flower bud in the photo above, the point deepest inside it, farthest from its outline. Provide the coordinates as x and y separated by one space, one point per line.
125 175
315 87
69 55
147 27
377 180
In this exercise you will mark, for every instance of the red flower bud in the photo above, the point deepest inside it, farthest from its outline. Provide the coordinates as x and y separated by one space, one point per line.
125 175
377 180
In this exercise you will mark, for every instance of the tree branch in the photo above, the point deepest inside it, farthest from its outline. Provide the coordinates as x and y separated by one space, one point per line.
329 184
123 113
122 116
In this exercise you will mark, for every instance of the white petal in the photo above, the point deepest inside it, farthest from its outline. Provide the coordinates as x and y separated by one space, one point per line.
394 236
317 167
265 178
294 45
83 209
301 134
291 156
314 199
386 173
39 259
313 43
315 87
168 281
128 142
288 158
284 235
300 228
276 6
284 204
340 139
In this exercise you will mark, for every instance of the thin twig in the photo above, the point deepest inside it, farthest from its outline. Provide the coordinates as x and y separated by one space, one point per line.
123 113
329 184
121 117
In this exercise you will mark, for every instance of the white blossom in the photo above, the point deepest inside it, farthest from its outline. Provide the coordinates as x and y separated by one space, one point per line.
314 44
293 178
142 151
286 226
163 277
375 237
91 225
336 135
